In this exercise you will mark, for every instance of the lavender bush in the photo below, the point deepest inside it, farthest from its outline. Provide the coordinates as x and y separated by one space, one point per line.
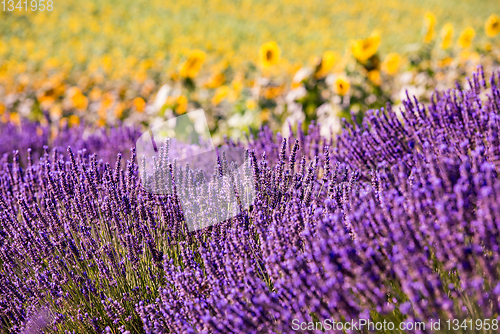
396 219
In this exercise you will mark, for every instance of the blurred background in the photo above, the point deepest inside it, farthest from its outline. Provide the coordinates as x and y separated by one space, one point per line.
247 63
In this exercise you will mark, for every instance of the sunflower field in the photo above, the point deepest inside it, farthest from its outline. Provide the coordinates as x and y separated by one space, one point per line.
104 62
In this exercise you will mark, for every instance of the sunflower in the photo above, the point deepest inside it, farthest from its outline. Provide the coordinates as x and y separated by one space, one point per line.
15 118
392 63
95 94
119 109
445 62
107 100
55 111
216 80
429 24
363 49
492 26
77 98
73 120
446 36
251 104
220 94
47 98
139 104
182 104
466 37
264 115
341 85
269 54
328 60
467 56
272 92
374 77
193 64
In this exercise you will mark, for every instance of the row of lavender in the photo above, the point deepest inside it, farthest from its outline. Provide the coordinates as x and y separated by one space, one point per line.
397 219
35 137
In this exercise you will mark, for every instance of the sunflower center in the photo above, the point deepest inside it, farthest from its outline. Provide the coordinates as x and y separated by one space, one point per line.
269 55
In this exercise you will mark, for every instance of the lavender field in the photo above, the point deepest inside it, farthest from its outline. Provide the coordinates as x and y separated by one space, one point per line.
394 220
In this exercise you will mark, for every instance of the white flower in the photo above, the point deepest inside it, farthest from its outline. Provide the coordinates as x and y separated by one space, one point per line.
301 74
295 94
328 119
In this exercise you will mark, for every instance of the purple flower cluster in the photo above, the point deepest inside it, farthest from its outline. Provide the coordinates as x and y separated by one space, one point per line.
396 219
